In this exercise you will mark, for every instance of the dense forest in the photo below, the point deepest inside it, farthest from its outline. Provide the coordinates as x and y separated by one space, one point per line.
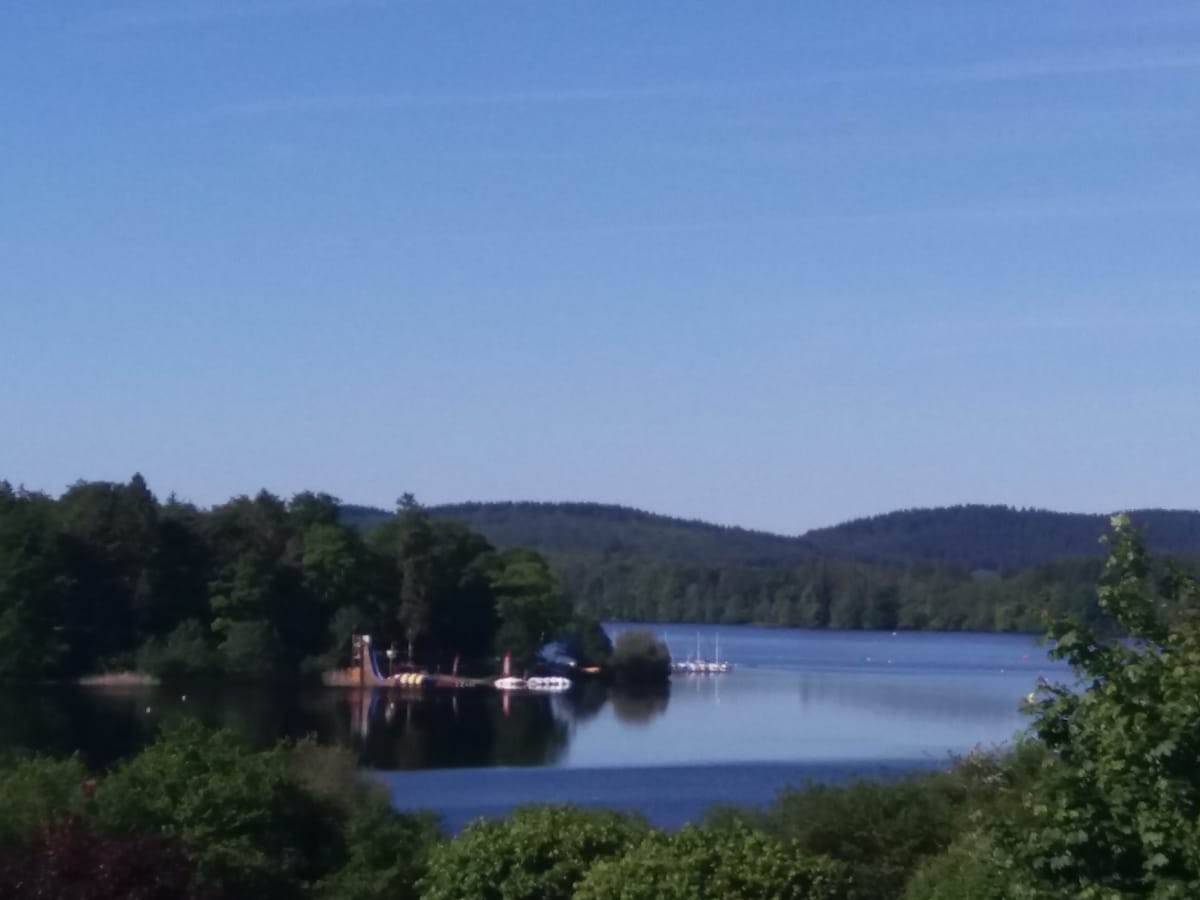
106 577
976 568
997 538
832 594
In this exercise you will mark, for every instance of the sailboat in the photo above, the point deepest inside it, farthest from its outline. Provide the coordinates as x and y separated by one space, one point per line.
698 665
715 666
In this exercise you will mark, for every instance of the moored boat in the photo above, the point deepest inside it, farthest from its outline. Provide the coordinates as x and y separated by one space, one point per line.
548 683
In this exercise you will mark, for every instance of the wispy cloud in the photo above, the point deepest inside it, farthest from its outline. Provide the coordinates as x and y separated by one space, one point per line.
383 102
179 13
981 72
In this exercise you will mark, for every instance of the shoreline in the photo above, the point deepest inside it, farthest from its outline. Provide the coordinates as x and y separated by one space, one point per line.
119 679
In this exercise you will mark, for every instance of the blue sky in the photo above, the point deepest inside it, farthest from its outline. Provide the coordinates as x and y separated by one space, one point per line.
776 264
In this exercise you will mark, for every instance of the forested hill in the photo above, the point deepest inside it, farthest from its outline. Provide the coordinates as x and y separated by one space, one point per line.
568 528
996 538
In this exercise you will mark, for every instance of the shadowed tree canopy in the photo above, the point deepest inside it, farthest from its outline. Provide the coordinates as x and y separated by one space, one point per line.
106 577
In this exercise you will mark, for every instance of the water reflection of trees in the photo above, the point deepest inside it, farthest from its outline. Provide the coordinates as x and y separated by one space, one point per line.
640 705
401 730
387 729
484 728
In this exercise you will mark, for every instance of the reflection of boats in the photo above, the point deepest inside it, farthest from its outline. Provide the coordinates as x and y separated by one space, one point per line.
698 665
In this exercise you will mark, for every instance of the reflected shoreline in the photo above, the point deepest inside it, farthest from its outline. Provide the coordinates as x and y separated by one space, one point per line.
794 696
386 728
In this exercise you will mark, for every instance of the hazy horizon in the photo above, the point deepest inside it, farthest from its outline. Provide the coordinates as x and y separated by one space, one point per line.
777 268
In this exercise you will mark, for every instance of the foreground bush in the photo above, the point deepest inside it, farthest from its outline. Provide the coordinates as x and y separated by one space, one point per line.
287 822
537 853
387 853
1116 811
881 831
729 863
34 792
970 869
72 861
253 825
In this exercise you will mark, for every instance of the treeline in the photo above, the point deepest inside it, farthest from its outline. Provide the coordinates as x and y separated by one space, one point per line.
832 594
962 568
106 577
1097 801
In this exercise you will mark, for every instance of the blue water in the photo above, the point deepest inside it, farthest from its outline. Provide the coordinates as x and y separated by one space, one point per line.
668 796
799 705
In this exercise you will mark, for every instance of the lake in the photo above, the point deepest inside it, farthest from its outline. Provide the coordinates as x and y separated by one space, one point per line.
798 705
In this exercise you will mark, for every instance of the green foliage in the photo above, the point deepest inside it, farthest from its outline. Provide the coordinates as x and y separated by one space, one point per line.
106 577
971 568
185 653
35 587
830 594
37 791
639 657
531 607
1116 810
292 821
970 869
249 649
537 853
257 831
733 863
387 853
880 830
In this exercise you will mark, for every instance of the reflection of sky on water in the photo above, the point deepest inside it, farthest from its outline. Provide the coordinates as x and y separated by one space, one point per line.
826 696
776 716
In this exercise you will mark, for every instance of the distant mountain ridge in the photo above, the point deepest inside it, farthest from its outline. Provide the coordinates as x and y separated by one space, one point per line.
997 537
975 537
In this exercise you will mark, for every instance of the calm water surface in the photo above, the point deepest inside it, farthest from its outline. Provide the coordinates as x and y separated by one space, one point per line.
800 704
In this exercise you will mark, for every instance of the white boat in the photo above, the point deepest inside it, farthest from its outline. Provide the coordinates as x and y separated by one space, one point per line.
510 683
701 666
548 683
